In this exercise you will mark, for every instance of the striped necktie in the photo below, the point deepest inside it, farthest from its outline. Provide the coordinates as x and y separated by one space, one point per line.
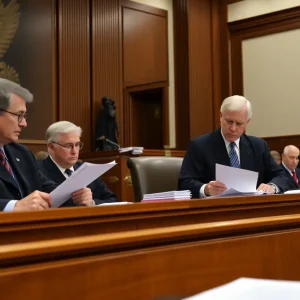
295 177
234 160
4 162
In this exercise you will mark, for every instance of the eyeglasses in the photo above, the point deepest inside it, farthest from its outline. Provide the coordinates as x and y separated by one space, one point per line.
21 116
70 146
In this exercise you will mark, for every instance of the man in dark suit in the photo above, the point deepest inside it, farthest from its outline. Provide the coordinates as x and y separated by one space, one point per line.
63 147
22 186
229 146
290 160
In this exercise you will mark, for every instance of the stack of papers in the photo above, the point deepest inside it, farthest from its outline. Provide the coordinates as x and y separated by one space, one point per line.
134 150
253 289
172 195
114 203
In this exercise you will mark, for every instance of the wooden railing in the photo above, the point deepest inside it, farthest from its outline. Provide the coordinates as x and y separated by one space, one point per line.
150 263
80 221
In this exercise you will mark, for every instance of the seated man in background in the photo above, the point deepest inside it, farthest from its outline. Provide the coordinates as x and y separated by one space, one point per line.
230 146
290 160
63 147
276 156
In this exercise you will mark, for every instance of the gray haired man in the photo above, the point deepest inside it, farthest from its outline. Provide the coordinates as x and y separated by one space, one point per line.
22 186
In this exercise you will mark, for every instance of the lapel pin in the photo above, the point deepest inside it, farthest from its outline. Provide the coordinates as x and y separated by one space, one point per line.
17 159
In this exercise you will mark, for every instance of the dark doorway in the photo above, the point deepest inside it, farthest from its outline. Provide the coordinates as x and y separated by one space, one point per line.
147 118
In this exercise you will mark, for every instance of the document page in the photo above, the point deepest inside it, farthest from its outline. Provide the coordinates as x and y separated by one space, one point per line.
293 192
238 181
253 289
82 177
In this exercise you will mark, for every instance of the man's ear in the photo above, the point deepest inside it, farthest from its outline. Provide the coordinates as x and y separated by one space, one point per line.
50 146
248 121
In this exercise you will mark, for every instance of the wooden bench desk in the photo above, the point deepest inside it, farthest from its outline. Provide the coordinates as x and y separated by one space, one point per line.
146 264
72 222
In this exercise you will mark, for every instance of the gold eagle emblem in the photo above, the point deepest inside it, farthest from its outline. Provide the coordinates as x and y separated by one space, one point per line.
9 23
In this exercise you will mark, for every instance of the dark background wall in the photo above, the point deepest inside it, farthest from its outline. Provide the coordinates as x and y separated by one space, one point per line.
71 53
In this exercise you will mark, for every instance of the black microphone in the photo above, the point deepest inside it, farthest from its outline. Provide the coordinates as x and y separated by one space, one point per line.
112 143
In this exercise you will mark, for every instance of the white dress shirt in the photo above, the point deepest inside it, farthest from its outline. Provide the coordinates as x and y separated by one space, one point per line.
61 168
228 148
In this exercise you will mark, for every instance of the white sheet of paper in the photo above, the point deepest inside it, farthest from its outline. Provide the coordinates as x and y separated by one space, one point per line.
253 289
82 177
114 203
234 178
292 192
233 192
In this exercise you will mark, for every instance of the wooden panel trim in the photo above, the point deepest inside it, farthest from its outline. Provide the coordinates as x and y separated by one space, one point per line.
271 21
87 214
220 58
54 60
181 69
166 152
143 87
44 250
233 1
144 8
38 142
279 142
237 82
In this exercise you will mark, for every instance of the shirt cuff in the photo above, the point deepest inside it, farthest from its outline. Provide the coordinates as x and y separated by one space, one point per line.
202 193
10 205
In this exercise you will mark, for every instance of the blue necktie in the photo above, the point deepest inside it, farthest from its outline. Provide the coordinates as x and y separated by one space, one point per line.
68 172
234 160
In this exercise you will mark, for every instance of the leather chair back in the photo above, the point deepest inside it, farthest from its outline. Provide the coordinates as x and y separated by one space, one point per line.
154 174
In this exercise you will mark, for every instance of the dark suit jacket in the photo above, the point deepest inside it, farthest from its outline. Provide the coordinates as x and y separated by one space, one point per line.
290 177
101 194
25 170
205 151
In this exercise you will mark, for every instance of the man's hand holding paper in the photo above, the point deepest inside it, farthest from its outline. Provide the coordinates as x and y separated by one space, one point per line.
75 186
238 181
83 197
214 188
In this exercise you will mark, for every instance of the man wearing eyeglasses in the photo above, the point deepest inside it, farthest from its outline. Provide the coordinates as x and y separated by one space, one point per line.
64 144
22 186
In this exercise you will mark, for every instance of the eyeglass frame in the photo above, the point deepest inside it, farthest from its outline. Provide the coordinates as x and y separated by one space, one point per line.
21 116
70 146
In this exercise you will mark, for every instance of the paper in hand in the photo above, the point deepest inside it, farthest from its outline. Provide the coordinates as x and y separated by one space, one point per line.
82 177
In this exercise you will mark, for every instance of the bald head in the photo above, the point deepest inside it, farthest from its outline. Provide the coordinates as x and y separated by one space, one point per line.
290 157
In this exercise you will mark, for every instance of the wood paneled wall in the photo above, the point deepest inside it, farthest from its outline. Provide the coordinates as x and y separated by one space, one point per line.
145 49
32 55
106 57
201 66
74 64
102 47
181 67
145 68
